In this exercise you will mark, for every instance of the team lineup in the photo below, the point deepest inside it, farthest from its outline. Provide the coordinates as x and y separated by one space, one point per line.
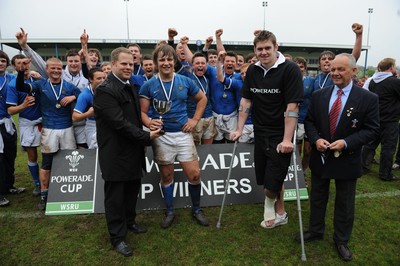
174 100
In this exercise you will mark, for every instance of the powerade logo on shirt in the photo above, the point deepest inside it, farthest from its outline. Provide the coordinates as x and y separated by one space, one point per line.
265 91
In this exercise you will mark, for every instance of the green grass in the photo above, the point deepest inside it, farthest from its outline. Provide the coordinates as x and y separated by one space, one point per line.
27 237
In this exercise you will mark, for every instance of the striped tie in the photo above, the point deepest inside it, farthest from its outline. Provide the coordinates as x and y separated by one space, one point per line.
334 113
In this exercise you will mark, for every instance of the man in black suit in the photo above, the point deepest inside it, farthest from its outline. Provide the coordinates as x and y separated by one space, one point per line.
336 149
387 87
121 142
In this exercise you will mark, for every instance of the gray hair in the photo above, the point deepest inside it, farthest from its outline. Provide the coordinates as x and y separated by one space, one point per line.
351 59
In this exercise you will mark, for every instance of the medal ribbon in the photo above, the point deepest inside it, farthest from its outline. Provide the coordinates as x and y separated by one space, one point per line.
59 93
5 81
168 97
201 85
323 84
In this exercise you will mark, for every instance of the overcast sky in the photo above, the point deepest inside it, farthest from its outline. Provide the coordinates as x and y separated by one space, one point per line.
294 21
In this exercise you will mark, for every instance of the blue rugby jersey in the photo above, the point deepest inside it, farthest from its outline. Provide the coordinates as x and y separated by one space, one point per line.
15 98
84 102
183 89
4 82
191 103
53 117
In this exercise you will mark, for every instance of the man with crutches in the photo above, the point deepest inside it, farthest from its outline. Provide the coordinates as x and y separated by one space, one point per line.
273 88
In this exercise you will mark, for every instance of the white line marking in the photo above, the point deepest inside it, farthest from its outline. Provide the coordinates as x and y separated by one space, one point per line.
393 193
27 215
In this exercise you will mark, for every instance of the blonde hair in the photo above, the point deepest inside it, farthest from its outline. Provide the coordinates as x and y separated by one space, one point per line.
53 60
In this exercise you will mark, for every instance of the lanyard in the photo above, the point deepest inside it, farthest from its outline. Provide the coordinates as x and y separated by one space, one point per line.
59 93
323 84
168 97
31 80
201 85
138 70
91 89
5 81
226 75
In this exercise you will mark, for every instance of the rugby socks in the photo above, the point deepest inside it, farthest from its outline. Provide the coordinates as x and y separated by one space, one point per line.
43 194
194 191
168 191
34 169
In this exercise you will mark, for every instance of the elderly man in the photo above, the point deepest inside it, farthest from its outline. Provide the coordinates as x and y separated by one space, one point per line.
341 119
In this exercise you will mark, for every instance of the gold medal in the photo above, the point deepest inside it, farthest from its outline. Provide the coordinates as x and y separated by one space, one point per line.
58 106
336 154
224 95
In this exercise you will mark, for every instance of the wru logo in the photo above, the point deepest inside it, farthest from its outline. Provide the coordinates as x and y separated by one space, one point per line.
74 160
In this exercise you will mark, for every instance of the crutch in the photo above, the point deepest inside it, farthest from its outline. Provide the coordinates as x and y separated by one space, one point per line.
303 253
227 184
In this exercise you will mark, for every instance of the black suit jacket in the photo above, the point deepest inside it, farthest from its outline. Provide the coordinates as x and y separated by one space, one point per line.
120 136
358 125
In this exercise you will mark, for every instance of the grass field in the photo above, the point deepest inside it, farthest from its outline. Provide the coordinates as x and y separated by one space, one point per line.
28 237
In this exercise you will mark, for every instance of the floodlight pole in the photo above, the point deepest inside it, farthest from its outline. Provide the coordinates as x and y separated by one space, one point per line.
127 19
370 11
264 4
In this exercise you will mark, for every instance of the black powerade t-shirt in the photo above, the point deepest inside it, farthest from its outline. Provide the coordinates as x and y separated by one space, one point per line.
270 95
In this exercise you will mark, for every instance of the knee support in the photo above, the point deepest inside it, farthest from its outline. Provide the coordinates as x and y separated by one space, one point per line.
47 161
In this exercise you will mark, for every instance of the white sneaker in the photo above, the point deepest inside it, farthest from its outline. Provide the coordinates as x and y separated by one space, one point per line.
4 202
395 166
279 220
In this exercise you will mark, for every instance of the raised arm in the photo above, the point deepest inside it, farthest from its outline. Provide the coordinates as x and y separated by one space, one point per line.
37 60
358 30
172 32
20 84
83 53
220 63
189 55
207 44
220 46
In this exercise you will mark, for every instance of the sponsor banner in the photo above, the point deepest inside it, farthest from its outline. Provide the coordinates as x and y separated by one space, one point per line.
76 185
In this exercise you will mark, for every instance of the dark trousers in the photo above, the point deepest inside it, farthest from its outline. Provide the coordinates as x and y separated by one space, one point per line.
388 135
397 160
344 207
120 207
7 160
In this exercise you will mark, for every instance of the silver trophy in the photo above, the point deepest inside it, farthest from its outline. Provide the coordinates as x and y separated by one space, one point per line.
161 107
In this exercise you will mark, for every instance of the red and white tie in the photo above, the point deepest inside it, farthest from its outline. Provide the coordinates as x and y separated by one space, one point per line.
334 113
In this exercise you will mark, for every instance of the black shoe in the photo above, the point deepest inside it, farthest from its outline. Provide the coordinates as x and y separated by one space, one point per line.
344 252
42 204
201 218
137 228
392 178
124 249
167 221
36 191
309 236
16 190
366 171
